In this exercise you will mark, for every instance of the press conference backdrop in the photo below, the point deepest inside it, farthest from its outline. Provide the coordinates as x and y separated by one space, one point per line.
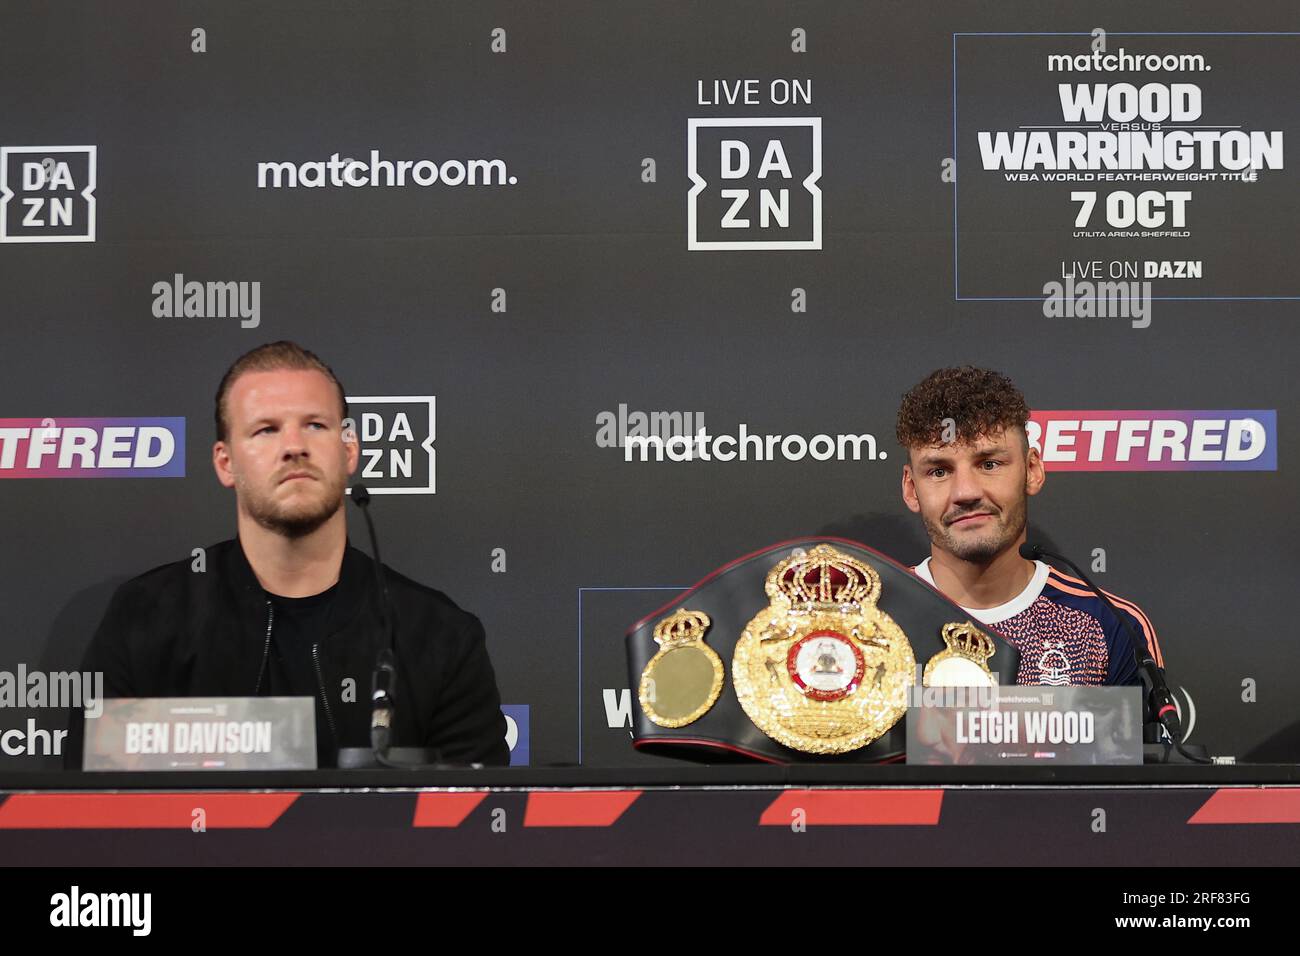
523 232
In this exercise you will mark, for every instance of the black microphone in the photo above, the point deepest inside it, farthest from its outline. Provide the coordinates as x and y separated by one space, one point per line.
1158 694
383 695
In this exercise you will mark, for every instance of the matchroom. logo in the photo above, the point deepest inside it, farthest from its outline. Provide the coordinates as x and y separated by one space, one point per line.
754 183
47 193
396 432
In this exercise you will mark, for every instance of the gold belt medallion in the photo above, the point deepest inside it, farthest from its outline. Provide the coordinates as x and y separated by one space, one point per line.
822 669
683 680
964 662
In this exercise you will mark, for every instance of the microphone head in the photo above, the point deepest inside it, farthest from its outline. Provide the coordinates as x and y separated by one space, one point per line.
1027 551
360 495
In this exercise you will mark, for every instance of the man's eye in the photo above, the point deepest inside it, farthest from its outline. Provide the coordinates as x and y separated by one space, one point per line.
319 425
264 428
993 464
937 472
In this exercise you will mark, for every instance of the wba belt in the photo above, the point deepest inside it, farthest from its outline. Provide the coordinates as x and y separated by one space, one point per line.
807 650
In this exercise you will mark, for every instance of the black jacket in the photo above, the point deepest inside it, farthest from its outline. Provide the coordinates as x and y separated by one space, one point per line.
177 632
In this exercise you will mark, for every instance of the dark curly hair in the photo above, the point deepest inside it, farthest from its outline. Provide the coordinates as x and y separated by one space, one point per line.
979 401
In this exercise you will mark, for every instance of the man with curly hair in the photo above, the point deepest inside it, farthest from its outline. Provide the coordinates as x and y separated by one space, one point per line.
969 474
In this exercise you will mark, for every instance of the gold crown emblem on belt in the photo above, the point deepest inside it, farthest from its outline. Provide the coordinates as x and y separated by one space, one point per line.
822 669
681 627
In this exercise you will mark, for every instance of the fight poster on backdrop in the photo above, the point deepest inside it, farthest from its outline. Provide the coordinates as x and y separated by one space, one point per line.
1148 159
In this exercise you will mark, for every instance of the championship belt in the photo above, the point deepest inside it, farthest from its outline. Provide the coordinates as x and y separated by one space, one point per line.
825 640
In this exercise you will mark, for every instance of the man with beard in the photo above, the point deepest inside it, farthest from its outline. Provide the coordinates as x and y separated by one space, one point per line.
289 607
970 471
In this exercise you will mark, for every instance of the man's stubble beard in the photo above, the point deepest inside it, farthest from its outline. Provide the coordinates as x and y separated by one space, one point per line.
984 548
297 522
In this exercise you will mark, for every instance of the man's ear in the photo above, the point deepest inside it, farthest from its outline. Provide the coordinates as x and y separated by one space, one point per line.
1035 474
909 491
221 464
352 447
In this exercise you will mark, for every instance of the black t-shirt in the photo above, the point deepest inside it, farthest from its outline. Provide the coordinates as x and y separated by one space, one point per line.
299 623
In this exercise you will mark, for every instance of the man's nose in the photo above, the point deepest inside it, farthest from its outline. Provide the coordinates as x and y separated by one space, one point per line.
295 443
965 487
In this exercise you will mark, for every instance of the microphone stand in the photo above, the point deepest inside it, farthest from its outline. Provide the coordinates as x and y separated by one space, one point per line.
383 696
1159 698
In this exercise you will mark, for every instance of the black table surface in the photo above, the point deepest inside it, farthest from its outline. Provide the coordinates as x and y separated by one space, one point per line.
684 775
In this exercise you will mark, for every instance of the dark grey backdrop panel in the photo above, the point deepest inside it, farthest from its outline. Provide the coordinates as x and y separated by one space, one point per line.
606 306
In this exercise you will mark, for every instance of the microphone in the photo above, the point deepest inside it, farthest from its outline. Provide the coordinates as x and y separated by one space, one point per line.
383 695
1161 701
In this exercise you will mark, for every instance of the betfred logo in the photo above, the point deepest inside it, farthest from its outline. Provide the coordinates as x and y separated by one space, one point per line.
47 193
754 183
1156 440
396 432
92 448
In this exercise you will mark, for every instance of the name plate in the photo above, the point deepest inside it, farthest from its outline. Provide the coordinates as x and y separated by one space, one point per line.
1025 725
202 733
